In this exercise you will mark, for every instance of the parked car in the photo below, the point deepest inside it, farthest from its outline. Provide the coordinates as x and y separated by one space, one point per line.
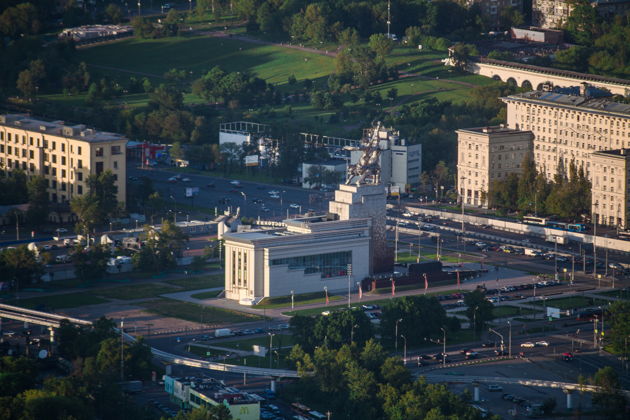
541 343
495 388
528 345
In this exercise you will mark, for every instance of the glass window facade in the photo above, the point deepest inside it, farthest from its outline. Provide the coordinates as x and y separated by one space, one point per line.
333 264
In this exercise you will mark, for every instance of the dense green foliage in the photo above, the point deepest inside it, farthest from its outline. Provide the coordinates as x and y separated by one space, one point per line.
20 267
161 249
479 309
567 195
619 327
362 382
33 390
97 205
333 330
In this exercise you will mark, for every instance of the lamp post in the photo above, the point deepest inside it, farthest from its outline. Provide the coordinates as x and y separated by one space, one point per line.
270 348
462 191
565 274
349 274
475 322
122 349
292 302
404 349
396 243
510 339
352 333
139 8
396 334
444 347
326 293
596 205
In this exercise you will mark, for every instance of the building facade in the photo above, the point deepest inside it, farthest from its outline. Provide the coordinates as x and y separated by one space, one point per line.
553 14
491 10
569 127
64 155
308 255
488 154
610 184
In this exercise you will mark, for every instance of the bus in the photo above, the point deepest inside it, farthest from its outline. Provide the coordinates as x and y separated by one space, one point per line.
557 225
576 227
533 220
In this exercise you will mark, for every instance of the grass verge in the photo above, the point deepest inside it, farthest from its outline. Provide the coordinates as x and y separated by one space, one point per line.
279 340
573 302
199 282
138 291
196 313
299 300
506 311
69 300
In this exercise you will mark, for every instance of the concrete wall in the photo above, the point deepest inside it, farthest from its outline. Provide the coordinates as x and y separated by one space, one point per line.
615 245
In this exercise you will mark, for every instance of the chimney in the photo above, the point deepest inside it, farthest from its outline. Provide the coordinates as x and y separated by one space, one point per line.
583 88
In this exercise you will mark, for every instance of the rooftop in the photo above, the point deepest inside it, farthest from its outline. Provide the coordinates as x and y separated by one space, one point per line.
217 391
585 102
58 128
495 129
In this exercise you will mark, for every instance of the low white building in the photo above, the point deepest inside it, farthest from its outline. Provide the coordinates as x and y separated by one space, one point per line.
309 254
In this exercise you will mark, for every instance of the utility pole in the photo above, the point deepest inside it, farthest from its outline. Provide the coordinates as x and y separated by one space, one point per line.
349 272
396 243
595 243
510 339
122 347
396 333
572 269
389 20
462 195
444 348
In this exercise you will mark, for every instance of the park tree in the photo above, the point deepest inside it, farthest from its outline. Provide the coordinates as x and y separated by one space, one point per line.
609 398
114 13
584 23
90 264
381 45
38 208
478 309
619 327
419 318
414 36
161 248
215 412
20 266
461 54
98 205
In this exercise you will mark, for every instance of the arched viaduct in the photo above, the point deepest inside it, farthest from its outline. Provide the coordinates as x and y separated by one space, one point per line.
534 77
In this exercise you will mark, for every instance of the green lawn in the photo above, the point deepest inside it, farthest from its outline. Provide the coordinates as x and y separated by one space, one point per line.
137 291
206 295
205 352
199 54
299 300
69 300
573 302
198 282
196 313
506 311
412 257
621 294
279 340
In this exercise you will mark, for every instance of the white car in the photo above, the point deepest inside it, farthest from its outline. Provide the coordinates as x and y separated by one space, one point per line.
407 214
273 192
61 230
294 206
274 196
186 180
235 182
542 343
47 247
528 345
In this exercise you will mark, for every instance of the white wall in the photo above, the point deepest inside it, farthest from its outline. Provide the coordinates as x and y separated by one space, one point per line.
233 138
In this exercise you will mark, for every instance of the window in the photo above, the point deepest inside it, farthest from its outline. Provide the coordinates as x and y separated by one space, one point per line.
54 158
9 150
79 149
53 184
79 189
1 148
23 153
31 167
46 170
63 160
31 155
99 152
80 176
79 163
30 141
54 145
116 150
115 164
329 265
63 186
54 171
99 167
63 147
63 173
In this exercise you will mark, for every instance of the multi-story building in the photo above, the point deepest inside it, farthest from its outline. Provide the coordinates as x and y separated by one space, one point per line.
65 155
488 154
491 9
553 14
609 175
569 127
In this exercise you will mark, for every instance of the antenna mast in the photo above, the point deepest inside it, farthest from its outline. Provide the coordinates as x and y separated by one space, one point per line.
389 20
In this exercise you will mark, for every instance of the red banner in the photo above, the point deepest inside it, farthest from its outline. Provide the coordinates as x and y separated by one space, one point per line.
360 292
426 281
393 287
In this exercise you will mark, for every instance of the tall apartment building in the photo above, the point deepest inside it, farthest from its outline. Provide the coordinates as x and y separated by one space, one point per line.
582 129
488 154
63 154
610 186
491 9
553 14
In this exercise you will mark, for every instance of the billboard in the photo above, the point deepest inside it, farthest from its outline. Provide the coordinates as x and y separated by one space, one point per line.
251 160
553 312
192 191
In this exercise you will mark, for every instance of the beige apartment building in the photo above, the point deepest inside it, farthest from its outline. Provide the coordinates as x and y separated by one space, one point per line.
64 154
553 14
488 154
569 127
610 179
491 10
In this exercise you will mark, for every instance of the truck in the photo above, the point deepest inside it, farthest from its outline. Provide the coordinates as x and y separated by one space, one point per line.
562 240
222 332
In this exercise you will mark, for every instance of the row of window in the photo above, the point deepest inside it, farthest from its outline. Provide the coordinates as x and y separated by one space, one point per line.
333 264
584 117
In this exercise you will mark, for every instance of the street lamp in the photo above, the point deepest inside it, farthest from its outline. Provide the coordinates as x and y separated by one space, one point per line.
326 293
462 191
396 334
404 349
352 332
444 347
270 348
565 274
475 322
349 274
510 339
595 217
292 303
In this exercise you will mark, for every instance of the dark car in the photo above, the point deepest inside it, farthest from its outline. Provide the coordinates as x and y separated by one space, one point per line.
488 344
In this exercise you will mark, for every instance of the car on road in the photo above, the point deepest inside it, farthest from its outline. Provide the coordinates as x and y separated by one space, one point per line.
369 307
265 209
495 388
9 333
472 355
488 344
185 179
172 179
528 345
541 343
235 182
567 357
273 192
407 214
294 206
48 247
